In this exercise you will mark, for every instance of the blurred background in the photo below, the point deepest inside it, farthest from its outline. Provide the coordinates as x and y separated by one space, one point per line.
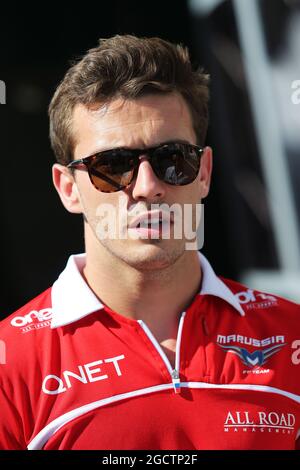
251 48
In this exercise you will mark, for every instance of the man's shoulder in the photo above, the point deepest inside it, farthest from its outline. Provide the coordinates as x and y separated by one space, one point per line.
24 348
32 316
257 301
24 339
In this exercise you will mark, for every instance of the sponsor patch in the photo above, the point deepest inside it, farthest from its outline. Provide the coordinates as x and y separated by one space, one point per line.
259 421
34 320
256 358
256 300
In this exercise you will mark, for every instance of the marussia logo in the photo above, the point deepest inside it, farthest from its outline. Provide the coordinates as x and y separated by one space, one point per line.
256 358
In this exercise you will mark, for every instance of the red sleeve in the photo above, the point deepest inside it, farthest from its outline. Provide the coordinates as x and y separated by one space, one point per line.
11 426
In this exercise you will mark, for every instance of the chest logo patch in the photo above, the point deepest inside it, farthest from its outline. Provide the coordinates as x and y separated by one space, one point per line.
259 357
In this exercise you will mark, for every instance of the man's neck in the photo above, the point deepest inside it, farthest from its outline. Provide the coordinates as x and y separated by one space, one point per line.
156 297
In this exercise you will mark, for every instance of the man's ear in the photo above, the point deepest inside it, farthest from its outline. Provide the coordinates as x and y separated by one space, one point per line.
66 187
206 171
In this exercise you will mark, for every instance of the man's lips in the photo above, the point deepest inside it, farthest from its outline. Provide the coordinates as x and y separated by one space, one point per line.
151 219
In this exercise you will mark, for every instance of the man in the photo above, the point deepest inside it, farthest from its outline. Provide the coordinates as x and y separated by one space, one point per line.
138 344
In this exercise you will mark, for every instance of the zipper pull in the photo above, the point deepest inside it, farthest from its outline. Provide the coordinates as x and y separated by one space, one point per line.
176 381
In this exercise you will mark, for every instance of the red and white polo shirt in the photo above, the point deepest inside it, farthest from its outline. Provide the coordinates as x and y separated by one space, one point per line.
78 375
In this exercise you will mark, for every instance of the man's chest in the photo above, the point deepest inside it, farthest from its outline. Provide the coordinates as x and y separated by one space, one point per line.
169 348
197 418
120 391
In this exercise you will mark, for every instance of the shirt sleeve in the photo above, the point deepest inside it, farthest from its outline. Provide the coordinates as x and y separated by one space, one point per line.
11 426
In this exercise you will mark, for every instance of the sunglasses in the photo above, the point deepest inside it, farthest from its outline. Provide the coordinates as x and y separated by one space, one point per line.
112 170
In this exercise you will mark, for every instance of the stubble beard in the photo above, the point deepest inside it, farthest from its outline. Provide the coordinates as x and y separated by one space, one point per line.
154 259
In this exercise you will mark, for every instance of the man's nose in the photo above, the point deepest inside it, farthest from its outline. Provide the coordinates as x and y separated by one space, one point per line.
146 184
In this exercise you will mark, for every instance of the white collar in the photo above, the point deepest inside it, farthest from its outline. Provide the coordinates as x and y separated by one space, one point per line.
72 298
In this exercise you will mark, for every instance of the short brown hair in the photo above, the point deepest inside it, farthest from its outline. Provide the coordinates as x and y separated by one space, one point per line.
129 67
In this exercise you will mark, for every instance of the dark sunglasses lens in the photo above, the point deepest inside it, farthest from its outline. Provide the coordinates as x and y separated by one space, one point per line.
177 164
112 171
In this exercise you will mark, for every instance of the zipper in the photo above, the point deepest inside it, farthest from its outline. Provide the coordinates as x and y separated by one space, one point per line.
174 373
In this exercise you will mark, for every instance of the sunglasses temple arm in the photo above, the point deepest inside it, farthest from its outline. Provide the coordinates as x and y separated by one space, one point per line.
106 178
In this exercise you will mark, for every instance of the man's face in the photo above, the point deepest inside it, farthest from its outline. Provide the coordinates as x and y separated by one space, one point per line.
141 123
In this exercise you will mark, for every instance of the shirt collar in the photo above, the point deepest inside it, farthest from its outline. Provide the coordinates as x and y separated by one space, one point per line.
212 285
72 298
